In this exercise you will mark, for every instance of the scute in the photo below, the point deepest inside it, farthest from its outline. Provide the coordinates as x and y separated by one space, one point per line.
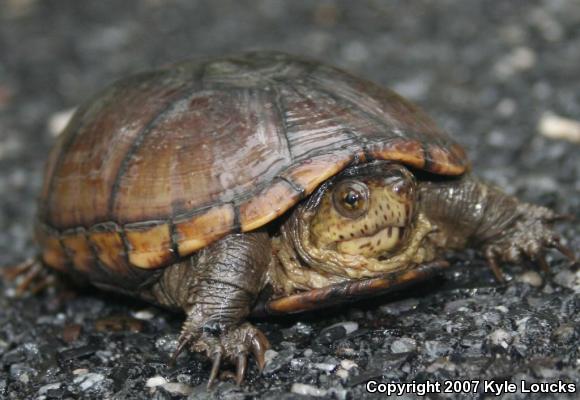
175 159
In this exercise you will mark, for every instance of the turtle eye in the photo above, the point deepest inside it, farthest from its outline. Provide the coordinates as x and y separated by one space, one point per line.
350 198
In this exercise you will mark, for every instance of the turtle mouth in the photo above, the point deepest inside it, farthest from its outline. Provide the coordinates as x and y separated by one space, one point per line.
378 244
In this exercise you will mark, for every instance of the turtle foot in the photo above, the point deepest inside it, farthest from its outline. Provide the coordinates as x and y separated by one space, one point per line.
233 345
529 239
30 276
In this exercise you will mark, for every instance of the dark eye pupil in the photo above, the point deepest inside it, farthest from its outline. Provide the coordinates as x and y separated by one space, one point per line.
351 198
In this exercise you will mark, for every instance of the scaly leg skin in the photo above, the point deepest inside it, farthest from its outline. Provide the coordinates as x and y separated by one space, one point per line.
31 276
469 212
529 235
217 290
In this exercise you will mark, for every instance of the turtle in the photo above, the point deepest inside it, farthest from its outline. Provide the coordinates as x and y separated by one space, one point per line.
264 183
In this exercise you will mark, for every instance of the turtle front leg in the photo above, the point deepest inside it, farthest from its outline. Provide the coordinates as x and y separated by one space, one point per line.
528 236
469 212
217 290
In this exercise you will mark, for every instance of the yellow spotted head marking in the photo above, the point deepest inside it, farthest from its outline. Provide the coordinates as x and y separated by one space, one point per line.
366 211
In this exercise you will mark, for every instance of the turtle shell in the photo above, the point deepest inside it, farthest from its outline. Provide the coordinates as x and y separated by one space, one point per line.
163 163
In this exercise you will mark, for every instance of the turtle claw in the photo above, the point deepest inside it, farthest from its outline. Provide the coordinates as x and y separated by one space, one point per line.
180 346
259 347
232 345
217 359
241 366
565 250
491 257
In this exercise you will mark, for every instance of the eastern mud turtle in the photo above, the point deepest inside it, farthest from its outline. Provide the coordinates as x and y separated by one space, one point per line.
207 186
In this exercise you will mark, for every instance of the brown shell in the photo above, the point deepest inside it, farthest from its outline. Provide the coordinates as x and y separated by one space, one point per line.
164 163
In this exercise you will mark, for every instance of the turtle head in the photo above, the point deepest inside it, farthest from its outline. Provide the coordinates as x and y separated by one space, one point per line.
364 222
367 210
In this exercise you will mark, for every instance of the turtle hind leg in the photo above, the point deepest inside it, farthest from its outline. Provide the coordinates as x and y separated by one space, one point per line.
217 289
30 276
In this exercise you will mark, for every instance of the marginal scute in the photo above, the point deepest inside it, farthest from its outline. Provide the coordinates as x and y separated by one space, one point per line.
108 242
197 231
267 205
78 248
406 151
460 157
309 174
443 161
53 253
150 245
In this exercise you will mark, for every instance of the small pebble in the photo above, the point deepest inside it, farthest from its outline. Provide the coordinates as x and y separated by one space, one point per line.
569 279
339 330
331 334
22 373
308 390
80 371
500 337
520 59
404 345
342 374
58 121
548 289
177 388
502 309
555 127
399 307
3 346
156 381
88 380
51 386
532 278
436 348
297 363
324 366
348 364
144 315
270 355
276 360
506 107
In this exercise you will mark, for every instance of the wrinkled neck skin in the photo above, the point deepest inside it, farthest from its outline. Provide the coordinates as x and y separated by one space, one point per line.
310 254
